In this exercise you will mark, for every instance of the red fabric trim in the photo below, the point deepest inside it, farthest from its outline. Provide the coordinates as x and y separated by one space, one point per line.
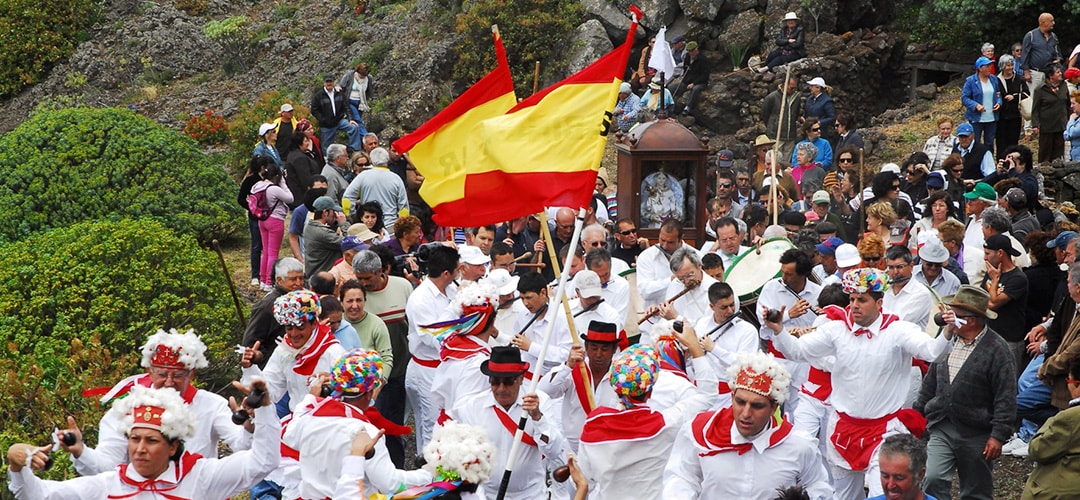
771 349
383 423
429 363
609 425
723 388
183 467
855 439
443 417
580 388
462 347
822 379
507 367
712 432
309 358
511 426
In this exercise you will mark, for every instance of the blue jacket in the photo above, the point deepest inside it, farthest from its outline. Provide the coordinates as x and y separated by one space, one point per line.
972 96
820 107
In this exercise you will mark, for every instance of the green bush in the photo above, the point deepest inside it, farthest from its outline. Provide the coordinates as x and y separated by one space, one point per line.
244 124
76 303
71 165
527 30
236 37
34 36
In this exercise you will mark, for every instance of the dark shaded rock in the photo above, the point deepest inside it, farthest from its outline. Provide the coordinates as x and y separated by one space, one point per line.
589 43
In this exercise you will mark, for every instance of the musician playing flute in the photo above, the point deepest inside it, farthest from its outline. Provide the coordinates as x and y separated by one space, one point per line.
653 268
730 334
794 293
590 305
688 295
869 379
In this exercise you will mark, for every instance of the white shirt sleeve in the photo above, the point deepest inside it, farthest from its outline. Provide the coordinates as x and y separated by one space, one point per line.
683 475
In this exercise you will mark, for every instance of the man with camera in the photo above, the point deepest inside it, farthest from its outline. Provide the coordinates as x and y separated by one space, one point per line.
323 235
1017 164
428 304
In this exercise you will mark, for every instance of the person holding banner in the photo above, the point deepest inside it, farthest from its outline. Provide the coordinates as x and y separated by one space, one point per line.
498 412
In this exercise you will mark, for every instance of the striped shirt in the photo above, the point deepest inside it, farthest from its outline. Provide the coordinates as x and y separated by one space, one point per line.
960 353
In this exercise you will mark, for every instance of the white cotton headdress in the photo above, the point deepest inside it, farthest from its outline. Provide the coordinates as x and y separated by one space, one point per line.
762 374
462 450
475 296
173 349
159 409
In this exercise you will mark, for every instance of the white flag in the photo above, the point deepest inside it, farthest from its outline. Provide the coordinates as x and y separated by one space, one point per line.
661 58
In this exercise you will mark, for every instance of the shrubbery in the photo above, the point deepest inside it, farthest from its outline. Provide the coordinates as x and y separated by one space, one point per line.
207 128
531 32
77 302
244 124
70 165
34 36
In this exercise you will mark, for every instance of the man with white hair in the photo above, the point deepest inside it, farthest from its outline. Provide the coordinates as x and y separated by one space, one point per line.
595 236
692 283
626 110
379 184
156 424
170 359
613 288
590 305
747 450
334 171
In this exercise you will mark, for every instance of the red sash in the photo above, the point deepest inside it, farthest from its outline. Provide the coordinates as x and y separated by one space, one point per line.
580 387
511 426
608 424
462 347
308 358
855 439
820 379
712 432
159 487
383 423
427 363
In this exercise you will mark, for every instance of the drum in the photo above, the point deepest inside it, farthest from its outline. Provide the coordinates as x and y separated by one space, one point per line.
749 272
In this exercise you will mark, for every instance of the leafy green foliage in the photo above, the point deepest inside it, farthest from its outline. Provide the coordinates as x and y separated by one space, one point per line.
76 304
71 165
236 37
244 124
35 36
530 33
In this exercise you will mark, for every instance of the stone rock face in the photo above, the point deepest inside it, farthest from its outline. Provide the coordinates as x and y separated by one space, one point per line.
658 13
741 30
704 10
590 42
615 20
928 91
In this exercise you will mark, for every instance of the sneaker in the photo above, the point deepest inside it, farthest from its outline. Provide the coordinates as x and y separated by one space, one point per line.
1013 443
1021 451
266 288
255 282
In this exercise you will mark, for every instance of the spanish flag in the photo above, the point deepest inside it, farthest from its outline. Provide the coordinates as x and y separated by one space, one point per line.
546 150
443 146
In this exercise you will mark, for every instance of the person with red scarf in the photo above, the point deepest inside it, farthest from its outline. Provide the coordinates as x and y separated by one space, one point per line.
318 434
157 423
870 378
748 450
464 346
307 349
170 359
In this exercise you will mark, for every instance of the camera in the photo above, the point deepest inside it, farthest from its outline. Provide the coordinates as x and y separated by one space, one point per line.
677 326
420 256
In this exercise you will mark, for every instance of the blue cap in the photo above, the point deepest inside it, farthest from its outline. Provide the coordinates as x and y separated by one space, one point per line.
982 61
828 247
965 129
1062 240
936 179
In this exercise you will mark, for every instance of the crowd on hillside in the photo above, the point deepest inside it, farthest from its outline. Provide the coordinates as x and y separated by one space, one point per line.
844 331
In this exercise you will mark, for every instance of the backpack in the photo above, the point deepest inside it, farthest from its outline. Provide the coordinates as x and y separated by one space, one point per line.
257 205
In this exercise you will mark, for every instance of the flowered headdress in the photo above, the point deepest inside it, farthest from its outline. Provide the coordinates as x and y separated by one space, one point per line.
475 304
865 280
357 372
158 409
296 307
762 374
633 373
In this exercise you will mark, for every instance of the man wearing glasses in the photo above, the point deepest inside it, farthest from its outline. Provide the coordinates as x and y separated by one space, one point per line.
170 359
932 273
909 301
627 244
595 236
968 398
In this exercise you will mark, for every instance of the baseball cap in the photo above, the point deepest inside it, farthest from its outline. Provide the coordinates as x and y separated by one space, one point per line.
964 129
1016 198
264 128
819 81
829 246
936 180
325 203
473 255
982 191
1062 240
286 107
502 281
847 255
328 78
982 61
588 283
353 243
820 197
725 158
1000 242
1072 73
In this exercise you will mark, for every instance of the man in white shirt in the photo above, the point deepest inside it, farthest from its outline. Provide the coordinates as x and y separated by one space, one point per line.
531 328
978 199
613 288
428 304
465 346
691 286
653 265
795 296
730 334
727 244
870 378
931 272
590 305
594 236
748 450
909 301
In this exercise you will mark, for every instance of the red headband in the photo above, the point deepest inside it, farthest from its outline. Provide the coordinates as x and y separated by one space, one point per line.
166 357
148 416
507 367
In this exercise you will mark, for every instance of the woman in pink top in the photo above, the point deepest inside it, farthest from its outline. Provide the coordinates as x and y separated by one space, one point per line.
272 229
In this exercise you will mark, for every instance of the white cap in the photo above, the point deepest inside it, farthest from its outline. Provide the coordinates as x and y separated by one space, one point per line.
891 167
588 283
819 81
503 281
264 128
790 16
624 88
472 255
934 251
847 255
286 107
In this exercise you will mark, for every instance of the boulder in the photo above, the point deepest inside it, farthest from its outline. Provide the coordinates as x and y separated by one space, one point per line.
658 13
590 42
928 91
742 30
616 21
704 10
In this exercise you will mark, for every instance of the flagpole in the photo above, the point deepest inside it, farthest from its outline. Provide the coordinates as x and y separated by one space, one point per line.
565 302
776 147
536 77
509 469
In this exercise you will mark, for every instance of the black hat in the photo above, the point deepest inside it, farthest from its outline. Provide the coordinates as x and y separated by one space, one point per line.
600 331
505 361
1001 242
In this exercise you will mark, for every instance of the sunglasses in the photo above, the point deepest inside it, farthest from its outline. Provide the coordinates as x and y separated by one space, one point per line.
896 187
816 129
628 232
503 381
726 185
872 259
931 264
595 244
845 160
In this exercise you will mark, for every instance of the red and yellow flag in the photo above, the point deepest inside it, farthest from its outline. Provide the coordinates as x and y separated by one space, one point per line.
443 146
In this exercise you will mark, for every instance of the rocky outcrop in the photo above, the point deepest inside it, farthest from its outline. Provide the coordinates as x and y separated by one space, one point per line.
590 42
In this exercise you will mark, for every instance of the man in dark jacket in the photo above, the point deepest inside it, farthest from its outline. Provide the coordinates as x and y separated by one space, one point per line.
969 400
331 107
695 77
262 327
770 116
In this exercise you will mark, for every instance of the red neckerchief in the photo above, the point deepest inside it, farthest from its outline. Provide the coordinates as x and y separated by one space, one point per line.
512 426
122 388
309 357
580 386
855 439
608 424
712 432
886 320
462 347
158 486
384 424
